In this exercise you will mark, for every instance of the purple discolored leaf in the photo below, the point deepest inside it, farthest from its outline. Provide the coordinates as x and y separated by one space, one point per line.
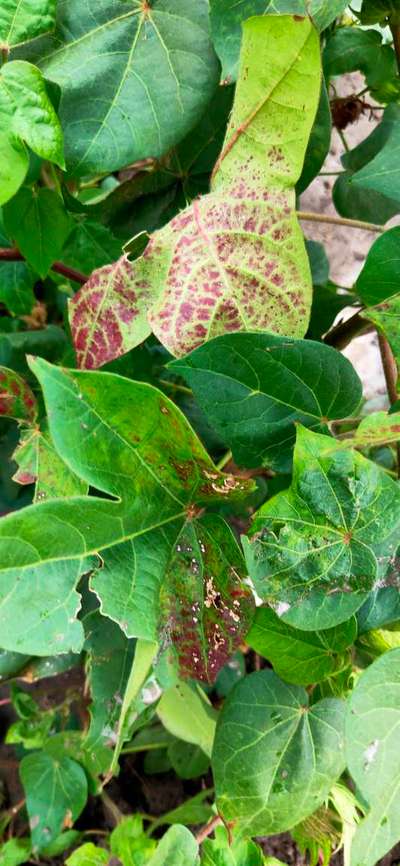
16 398
104 312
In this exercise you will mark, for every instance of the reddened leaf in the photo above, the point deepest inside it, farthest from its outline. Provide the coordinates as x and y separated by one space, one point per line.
16 398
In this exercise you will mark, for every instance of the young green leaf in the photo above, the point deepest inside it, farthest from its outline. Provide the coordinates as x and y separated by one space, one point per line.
235 259
227 17
300 657
56 792
380 276
37 221
335 532
178 846
372 731
275 757
88 855
163 73
16 398
27 117
15 852
21 20
253 387
129 843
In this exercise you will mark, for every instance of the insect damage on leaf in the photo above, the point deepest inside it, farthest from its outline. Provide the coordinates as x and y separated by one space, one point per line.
234 259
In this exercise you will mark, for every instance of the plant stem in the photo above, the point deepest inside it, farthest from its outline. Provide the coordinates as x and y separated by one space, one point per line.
395 30
339 221
224 460
12 254
175 387
390 371
341 334
55 179
208 829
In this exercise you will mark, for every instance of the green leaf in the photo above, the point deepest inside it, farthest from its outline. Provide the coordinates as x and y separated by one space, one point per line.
110 658
380 276
90 245
49 343
376 429
178 846
156 469
332 534
11 663
56 791
15 852
27 117
163 74
382 173
319 263
372 731
37 221
300 657
382 607
188 762
378 11
129 843
192 811
16 282
351 48
186 713
21 20
274 757
386 317
38 462
227 17
234 259
88 855
241 380
16 398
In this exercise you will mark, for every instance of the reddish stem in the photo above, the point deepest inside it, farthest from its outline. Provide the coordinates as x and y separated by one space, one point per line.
12 254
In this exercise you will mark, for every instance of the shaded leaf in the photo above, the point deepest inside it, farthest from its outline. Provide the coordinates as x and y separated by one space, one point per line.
319 142
301 657
90 245
382 607
235 259
274 757
380 276
21 20
27 117
254 387
16 282
372 731
227 17
378 11
16 398
110 657
333 533
39 224
351 48
56 792
163 74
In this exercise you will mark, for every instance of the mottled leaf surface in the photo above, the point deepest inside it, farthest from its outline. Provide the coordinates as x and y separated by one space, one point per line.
235 259
16 398
37 221
274 757
227 17
380 276
254 387
105 311
300 657
376 429
334 532
153 62
372 732
56 791
21 20
206 608
27 117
